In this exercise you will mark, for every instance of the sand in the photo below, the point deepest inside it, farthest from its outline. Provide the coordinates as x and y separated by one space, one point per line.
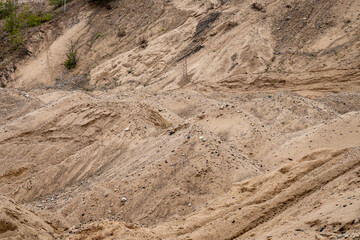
231 122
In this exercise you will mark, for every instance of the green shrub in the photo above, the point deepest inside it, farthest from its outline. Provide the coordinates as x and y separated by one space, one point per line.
7 8
71 59
25 18
37 19
16 39
30 19
12 23
16 20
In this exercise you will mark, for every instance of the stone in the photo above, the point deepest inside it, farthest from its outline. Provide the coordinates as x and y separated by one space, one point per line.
202 138
258 7
124 199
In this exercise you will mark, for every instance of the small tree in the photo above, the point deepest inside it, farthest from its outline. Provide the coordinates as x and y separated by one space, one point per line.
71 59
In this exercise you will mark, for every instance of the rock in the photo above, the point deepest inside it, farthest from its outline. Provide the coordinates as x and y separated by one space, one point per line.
127 129
340 236
172 132
299 230
258 7
121 33
202 138
189 205
124 199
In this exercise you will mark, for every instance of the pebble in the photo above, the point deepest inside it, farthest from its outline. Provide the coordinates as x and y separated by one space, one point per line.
124 199
127 129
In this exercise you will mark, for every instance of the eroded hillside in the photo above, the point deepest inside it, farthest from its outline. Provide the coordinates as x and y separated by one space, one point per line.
184 120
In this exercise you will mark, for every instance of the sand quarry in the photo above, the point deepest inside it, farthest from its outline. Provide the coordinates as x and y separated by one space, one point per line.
184 119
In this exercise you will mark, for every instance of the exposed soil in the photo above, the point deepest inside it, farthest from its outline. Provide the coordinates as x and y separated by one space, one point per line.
184 120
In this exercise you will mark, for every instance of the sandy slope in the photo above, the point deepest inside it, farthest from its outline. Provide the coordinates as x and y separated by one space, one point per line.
16 222
255 135
73 160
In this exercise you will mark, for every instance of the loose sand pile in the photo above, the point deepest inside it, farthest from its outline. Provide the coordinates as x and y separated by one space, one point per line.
185 120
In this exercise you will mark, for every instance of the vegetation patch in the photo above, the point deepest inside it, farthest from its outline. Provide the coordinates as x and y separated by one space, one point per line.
6 8
17 18
71 60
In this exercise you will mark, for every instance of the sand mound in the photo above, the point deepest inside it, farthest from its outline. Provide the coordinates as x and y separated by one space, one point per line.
184 120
